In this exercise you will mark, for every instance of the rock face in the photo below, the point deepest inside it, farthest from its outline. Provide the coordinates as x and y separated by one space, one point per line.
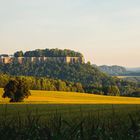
12 59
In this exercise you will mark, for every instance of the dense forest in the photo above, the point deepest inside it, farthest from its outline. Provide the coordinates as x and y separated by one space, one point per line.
48 53
68 77
82 73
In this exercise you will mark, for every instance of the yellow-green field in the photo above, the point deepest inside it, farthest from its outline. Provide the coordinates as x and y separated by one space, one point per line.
47 97
122 77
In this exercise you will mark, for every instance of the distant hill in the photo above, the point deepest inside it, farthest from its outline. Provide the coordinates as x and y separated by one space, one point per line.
119 70
133 69
113 70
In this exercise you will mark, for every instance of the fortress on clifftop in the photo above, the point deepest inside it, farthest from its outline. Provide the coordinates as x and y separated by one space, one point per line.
12 59
42 56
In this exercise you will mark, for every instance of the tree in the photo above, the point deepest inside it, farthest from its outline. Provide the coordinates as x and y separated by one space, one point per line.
135 94
61 86
79 87
113 91
18 54
16 90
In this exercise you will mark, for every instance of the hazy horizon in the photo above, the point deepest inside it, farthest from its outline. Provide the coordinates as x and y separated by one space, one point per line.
107 32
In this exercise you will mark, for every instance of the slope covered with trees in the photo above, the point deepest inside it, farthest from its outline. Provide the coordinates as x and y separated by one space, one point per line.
68 77
83 73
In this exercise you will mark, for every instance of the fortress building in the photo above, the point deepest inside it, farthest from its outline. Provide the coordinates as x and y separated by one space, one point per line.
21 60
6 59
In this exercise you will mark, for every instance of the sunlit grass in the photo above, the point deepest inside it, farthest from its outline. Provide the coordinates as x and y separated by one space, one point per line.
53 97
122 77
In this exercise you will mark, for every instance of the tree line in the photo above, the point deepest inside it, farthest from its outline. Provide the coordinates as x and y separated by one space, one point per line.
49 84
48 53
43 83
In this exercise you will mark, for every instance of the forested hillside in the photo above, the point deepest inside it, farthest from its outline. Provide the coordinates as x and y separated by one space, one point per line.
83 73
89 77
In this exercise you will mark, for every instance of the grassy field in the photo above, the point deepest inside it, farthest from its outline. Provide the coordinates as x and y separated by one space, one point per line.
68 103
47 97
122 77
47 102
69 122
70 116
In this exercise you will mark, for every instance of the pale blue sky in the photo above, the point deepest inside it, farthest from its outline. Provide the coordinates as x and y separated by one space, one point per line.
105 31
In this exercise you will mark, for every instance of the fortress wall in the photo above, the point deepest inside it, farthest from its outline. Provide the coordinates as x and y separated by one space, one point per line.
6 60
21 60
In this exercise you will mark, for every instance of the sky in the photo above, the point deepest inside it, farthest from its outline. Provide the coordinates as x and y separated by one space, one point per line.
107 32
